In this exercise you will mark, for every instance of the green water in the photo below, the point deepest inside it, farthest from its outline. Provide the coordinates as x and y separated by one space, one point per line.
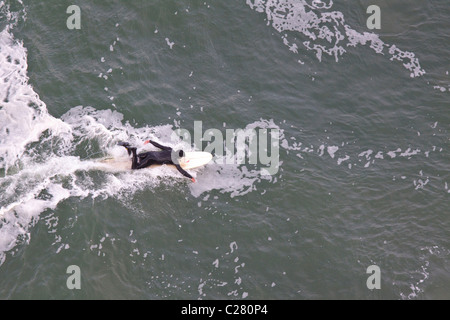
364 164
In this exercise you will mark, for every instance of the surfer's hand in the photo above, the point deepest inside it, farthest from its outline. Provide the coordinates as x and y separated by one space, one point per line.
148 141
193 180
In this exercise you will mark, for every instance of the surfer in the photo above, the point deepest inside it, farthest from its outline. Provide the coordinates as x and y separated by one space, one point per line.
146 159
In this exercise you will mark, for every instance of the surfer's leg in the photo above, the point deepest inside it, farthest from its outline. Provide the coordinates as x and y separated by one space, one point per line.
134 161
145 162
127 146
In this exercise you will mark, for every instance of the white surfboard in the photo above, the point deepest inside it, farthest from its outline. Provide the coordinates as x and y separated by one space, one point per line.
195 159
191 160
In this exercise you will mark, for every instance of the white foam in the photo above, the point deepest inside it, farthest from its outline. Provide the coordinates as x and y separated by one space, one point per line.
23 116
24 119
419 277
325 31
332 150
340 160
169 43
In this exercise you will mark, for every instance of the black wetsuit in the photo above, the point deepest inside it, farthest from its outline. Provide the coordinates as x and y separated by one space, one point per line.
146 159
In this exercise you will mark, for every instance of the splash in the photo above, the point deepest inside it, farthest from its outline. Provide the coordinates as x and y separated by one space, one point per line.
45 160
325 31
420 277
49 169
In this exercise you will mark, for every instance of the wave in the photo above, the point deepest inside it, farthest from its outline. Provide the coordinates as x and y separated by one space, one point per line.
45 160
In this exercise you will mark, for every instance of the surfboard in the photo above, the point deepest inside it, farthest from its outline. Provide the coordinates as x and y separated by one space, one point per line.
191 160
195 159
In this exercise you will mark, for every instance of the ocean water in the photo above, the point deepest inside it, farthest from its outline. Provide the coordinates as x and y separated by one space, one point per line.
356 127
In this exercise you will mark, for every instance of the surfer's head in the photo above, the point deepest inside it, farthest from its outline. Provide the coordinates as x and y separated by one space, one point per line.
177 155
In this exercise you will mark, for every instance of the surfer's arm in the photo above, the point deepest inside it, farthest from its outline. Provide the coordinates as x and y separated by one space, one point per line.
156 144
184 173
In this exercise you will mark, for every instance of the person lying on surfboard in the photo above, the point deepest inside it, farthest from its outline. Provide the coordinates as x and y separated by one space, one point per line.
146 159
